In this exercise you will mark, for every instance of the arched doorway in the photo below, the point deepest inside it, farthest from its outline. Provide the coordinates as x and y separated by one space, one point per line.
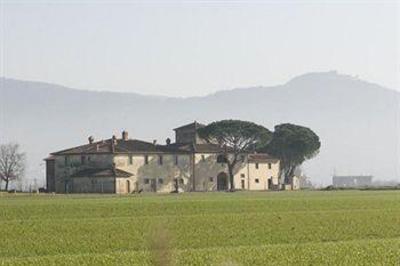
222 181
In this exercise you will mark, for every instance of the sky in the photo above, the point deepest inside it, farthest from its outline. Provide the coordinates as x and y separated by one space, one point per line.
196 48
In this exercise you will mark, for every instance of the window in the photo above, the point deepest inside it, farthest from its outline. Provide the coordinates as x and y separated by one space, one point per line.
211 179
130 159
160 181
203 157
242 175
146 181
256 165
83 159
146 159
160 160
269 166
257 180
176 160
221 158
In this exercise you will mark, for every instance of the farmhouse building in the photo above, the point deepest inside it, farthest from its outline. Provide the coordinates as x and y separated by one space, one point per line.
124 165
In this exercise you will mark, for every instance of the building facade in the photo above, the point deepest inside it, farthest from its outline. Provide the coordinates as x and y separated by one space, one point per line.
124 165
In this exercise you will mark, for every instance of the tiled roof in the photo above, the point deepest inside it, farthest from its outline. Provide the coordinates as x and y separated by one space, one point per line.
194 125
139 146
107 172
103 146
121 146
209 147
261 157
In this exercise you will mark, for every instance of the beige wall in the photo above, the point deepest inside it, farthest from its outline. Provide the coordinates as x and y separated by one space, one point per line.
263 174
155 172
205 170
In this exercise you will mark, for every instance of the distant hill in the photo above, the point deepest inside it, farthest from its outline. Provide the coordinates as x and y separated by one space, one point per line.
358 121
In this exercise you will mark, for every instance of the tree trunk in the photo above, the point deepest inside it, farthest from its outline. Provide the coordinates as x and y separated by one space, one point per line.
7 180
289 174
230 169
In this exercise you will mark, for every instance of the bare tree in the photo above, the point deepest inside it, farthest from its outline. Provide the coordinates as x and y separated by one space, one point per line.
12 163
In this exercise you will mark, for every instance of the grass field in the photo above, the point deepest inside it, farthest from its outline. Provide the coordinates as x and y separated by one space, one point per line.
278 228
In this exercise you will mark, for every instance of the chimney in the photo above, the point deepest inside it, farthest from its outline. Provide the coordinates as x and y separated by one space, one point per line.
124 135
154 141
91 139
114 139
168 141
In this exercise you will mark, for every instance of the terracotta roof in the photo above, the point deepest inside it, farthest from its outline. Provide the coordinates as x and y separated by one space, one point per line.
121 146
103 172
103 146
194 125
139 146
208 147
261 157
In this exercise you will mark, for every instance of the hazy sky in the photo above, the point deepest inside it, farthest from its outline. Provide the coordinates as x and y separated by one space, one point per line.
195 48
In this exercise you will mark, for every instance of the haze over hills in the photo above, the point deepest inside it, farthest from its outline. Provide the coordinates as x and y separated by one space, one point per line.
357 121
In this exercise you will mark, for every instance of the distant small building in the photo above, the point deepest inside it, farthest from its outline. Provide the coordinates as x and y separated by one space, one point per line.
352 181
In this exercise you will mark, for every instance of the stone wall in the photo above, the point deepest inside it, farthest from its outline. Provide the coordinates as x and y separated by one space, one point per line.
67 165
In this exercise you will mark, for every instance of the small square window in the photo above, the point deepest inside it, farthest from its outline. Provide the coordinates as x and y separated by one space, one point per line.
221 159
269 166
160 160
130 159
160 181
146 181
256 165
257 180
146 159
242 175
211 179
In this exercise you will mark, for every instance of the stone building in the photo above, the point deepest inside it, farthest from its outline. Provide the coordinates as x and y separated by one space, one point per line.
124 165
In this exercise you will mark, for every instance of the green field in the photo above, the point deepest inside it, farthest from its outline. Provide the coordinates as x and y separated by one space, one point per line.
276 228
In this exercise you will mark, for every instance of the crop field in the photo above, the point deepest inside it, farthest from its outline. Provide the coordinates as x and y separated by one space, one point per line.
275 228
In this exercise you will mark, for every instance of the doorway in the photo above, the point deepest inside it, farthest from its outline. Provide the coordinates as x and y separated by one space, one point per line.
153 185
222 181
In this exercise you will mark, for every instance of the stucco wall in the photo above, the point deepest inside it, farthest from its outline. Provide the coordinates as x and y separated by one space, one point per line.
263 174
157 177
154 172
245 173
